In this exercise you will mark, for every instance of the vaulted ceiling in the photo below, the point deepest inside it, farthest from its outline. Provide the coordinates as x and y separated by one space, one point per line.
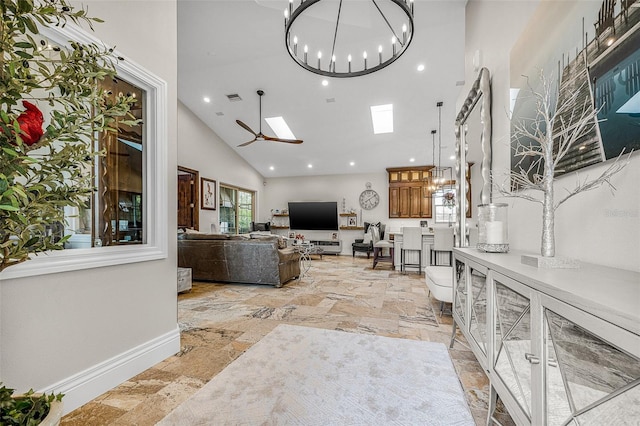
237 47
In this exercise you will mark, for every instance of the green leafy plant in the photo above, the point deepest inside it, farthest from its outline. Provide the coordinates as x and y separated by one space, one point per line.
45 157
28 409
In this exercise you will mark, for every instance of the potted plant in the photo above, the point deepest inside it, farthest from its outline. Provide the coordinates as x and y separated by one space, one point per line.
30 408
51 107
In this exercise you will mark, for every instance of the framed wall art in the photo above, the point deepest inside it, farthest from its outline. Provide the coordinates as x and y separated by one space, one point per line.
592 58
208 194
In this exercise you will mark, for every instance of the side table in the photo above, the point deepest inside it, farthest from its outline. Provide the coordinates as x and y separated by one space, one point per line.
306 249
184 279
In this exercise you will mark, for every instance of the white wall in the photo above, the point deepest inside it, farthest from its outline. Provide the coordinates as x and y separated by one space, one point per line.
67 328
595 226
202 150
279 191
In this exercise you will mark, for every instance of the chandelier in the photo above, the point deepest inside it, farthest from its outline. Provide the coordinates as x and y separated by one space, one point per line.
347 38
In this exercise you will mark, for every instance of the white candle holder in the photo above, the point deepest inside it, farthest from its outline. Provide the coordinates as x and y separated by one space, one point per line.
493 228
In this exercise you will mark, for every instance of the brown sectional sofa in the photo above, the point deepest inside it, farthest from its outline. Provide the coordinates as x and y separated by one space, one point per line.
237 259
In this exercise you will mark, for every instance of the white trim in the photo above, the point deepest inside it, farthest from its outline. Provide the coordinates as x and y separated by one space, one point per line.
94 381
156 197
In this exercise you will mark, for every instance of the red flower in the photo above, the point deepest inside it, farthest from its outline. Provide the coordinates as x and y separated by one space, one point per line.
31 123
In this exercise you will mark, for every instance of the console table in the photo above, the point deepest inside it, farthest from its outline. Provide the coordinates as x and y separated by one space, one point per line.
556 344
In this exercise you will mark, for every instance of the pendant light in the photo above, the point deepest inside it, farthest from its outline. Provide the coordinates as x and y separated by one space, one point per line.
428 180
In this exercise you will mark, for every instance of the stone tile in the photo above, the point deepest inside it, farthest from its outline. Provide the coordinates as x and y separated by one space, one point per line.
93 414
308 299
402 307
148 413
203 363
379 325
219 322
349 308
273 301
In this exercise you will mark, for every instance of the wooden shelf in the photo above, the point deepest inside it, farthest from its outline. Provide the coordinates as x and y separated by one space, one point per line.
279 227
348 214
280 214
351 228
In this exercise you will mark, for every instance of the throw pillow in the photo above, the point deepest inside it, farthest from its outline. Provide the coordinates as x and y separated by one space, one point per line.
367 238
375 232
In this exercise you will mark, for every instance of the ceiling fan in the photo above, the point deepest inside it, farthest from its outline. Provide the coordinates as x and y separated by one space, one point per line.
260 136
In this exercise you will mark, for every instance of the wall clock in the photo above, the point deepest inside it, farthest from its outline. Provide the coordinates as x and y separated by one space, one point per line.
369 198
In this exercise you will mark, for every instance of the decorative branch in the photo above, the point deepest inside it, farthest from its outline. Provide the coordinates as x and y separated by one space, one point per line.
543 142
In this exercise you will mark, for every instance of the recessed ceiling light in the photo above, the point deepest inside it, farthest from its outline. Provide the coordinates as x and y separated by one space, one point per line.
421 67
325 82
309 165
206 99
353 163
280 127
453 157
382 118
411 160
271 168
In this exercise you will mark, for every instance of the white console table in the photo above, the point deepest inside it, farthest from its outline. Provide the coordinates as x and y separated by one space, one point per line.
556 344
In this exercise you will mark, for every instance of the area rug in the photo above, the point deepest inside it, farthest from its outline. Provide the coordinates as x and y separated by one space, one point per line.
309 376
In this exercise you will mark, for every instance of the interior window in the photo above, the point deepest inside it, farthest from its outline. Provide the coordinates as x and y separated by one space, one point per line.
129 208
115 214
236 210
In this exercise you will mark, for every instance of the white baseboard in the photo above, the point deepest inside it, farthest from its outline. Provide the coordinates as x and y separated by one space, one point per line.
94 381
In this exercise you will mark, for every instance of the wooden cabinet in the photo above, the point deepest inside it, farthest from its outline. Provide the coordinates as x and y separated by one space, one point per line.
559 346
394 201
408 195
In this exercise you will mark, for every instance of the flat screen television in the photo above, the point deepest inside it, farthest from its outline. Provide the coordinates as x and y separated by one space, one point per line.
313 215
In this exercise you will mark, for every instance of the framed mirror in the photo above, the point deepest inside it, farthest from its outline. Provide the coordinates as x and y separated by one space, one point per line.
473 154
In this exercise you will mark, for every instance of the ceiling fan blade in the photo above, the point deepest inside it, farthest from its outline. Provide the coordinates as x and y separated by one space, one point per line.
259 136
247 128
248 143
296 141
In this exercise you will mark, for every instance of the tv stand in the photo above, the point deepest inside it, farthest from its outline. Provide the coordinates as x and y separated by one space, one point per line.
328 246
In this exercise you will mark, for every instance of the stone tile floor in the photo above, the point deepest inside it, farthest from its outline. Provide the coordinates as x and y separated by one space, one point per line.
218 322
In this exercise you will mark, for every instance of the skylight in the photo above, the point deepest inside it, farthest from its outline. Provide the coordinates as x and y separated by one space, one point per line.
382 118
280 128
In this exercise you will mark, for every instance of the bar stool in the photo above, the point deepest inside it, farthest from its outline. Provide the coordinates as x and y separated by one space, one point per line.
411 242
442 242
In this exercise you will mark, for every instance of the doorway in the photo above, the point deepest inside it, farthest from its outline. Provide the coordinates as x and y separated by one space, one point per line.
188 198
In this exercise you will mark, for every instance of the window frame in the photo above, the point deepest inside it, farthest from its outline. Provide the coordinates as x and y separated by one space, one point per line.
156 172
238 189
439 193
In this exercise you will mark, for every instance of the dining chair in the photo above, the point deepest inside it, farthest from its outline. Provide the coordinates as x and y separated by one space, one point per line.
381 242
